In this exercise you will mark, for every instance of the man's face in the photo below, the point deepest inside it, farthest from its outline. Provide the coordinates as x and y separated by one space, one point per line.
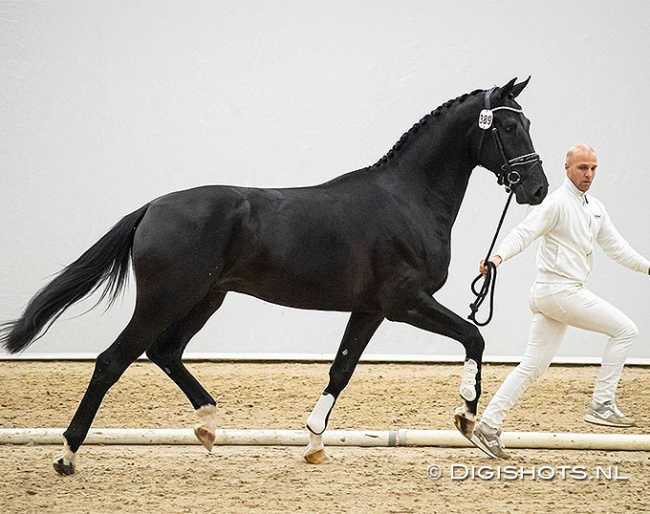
581 169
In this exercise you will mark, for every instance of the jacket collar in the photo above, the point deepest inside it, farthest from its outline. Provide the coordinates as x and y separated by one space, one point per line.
573 190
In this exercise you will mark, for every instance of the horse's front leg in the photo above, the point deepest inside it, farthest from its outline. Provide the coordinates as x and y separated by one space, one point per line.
470 391
426 313
358 332
316 424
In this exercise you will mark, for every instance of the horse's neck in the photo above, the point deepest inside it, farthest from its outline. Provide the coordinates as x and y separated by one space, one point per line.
437 169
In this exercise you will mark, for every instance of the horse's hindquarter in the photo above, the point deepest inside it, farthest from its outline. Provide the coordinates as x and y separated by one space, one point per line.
185 234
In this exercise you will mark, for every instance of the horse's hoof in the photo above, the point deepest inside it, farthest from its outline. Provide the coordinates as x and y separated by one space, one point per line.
62 467
316 457
465 422
205 436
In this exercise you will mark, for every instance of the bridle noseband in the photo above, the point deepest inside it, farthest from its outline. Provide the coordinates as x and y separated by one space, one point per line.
509 174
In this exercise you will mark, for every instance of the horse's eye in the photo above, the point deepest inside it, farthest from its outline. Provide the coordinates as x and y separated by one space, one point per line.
510 128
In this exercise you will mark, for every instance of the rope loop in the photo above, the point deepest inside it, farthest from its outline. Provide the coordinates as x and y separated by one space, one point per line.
489 284
488 287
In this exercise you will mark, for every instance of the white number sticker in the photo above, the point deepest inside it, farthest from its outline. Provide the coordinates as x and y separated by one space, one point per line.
485 119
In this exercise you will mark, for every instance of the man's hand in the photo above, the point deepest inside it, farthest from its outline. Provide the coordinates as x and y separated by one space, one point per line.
495 259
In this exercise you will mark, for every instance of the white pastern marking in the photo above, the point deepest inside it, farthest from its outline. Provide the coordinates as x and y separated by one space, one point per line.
462 411
207 415
205 430
315 443
68 455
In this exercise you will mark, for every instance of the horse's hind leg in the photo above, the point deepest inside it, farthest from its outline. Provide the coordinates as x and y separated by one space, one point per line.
167 352
109 367
153 314
360 329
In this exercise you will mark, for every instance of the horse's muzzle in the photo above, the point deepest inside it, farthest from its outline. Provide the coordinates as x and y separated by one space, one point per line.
532 186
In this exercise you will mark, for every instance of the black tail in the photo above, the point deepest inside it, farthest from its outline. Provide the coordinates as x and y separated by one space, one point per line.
107 261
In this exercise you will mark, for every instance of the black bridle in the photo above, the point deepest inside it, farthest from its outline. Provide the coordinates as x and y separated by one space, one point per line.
510 177
509 174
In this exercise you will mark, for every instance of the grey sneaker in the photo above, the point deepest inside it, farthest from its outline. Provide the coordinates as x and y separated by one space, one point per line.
488 440
607 414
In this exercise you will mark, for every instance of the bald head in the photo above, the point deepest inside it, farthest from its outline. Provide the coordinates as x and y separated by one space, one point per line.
580 165
576 150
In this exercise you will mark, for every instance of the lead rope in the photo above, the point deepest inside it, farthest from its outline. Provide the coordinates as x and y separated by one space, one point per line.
490 282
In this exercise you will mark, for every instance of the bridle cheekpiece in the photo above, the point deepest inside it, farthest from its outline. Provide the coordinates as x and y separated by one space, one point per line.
508 176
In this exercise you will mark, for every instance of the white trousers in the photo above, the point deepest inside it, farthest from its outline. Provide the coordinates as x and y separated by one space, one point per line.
555 307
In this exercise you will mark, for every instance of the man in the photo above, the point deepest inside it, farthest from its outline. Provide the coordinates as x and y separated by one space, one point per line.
569 222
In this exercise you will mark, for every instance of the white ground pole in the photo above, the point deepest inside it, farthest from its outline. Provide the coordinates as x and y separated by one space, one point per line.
367 438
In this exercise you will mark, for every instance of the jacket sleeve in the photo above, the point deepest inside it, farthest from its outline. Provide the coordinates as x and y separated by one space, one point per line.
539 221
618 249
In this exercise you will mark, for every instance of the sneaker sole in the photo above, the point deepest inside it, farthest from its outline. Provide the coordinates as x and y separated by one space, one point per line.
603 422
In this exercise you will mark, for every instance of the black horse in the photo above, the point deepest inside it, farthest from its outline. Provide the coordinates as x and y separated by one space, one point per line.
374 242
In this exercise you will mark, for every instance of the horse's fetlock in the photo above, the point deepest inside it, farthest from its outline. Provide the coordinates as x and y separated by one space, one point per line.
64 464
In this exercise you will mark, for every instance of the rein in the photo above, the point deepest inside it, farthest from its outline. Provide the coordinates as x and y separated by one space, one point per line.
490 282
510 178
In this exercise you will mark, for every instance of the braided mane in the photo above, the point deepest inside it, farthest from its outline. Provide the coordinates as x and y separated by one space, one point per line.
436 113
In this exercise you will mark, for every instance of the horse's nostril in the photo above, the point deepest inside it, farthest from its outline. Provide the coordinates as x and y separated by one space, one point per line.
540 194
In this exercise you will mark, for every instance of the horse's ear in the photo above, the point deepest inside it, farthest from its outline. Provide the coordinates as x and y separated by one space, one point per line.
502 93
518 88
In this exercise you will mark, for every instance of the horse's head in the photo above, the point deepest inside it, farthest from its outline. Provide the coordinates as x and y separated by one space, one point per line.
501 139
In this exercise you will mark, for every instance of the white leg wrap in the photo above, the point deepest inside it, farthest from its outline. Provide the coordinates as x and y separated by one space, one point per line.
468 380
317 420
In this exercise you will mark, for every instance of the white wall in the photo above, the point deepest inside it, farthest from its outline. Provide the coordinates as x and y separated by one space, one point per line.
106 105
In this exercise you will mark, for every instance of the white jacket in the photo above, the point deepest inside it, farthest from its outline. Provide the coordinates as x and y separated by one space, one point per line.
569 222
